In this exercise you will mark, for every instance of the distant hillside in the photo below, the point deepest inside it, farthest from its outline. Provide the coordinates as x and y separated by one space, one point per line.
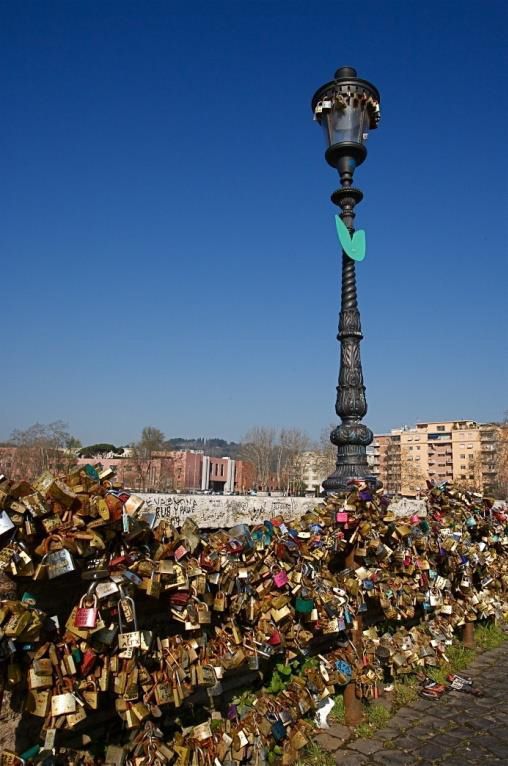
214 447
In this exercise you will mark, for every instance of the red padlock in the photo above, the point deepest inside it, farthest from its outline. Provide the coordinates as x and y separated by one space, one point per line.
88 661
280 578
180 552
86 616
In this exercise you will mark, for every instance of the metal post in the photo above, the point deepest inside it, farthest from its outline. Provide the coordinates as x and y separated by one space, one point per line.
347 108
468 639
353 708
351 437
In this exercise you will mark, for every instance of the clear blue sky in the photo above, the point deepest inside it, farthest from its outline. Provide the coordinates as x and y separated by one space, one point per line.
169 254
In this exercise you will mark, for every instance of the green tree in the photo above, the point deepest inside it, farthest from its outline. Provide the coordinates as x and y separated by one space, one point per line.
100 450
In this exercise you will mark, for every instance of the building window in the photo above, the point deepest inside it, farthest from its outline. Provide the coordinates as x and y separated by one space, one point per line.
222 469
440 428
463 457
462 467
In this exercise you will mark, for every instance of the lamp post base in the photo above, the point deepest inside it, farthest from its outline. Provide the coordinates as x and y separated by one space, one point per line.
351 464
338 485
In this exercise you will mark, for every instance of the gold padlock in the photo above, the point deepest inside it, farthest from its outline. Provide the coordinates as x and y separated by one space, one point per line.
14 675
115 755
131 719
90 694
131 687
219 602
62 704
32 631
141 711
74 718
36 681
17 623
120 682
153 586
43 667
8 758
183 753
38 703
163 693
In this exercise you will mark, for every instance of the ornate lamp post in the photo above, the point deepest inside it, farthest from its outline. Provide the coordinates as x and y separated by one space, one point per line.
346 109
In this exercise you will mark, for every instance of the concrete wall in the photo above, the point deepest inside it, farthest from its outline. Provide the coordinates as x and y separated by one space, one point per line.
223 511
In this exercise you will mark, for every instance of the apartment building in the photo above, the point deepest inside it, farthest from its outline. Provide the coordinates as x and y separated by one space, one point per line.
460 451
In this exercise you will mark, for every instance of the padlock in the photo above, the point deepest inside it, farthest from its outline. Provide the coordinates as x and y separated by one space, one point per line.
180 552
62 703
153 587
163 692
204 615
90 694
8 758
87 611
105 589
17 623
141 711
59 563
38 703
279 576
129 639
219 602
279 615
79 715
14 675
304 605
127 608
131 719
115 756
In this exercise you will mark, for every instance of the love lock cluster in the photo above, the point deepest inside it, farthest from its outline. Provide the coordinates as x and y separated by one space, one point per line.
131 637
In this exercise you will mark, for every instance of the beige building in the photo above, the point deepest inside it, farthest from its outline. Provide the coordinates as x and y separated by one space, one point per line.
460 451
314 470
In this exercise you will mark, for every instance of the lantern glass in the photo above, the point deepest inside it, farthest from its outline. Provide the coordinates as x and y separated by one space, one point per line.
347 124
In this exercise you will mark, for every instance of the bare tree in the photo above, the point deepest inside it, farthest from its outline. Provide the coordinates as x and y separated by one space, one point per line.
258 447
473 476
43 447
499 481
152 440
412 478
277 457
326 452
293 444
145 467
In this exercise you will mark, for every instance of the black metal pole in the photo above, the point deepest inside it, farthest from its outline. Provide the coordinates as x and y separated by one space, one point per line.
351 437
347 107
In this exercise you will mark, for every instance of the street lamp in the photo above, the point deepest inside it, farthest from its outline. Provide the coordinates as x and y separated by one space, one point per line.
347 108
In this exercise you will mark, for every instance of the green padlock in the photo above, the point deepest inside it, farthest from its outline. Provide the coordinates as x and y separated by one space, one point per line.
304 605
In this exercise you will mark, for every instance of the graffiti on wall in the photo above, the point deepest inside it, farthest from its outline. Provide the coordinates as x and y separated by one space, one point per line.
224 511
